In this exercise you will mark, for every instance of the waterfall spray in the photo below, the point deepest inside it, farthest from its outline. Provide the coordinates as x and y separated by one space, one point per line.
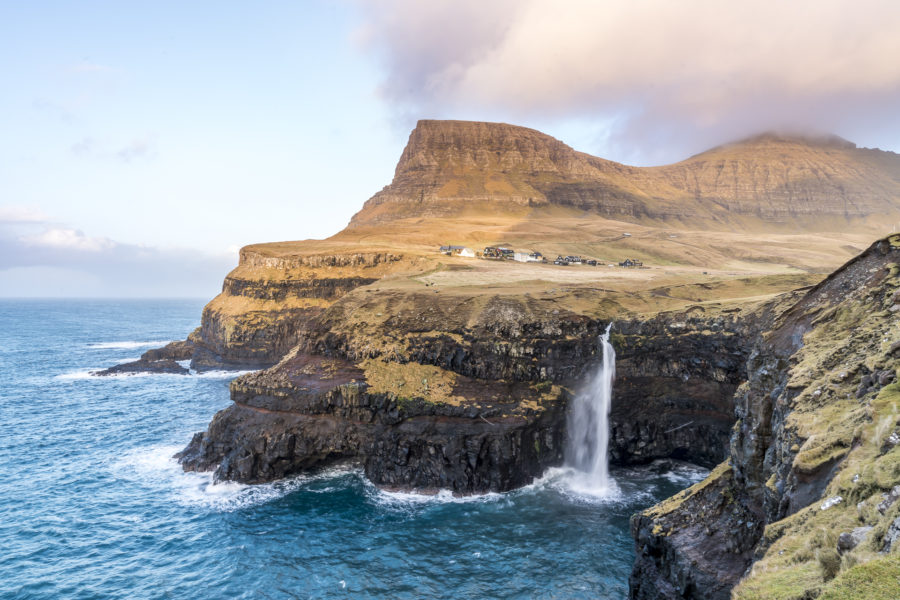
589 425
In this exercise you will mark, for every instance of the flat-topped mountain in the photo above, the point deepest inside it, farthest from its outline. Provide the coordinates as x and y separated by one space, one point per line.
450 167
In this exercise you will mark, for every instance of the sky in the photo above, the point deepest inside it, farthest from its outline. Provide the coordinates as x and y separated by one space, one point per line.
145 142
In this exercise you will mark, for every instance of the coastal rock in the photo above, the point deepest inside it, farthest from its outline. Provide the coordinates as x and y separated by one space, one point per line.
157 360
166 366
310 412
892 537
475 424
849 540
696 544
180 350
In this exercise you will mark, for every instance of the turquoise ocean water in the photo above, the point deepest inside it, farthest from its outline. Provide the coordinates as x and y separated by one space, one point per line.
92 506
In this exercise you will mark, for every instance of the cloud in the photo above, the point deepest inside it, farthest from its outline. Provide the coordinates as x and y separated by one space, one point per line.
54 109
137 149
660 70
83 147
67 239
31 246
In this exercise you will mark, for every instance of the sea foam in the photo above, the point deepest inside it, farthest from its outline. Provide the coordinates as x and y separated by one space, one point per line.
91 373
126 345
156 468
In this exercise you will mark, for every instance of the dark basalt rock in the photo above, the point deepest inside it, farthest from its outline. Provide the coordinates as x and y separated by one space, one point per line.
697 550
182 350
676 376
157 360
144 366
311 412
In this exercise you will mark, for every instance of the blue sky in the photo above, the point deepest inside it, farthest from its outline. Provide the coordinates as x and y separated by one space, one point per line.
144 143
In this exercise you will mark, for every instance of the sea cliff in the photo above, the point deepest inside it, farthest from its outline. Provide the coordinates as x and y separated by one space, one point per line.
473 398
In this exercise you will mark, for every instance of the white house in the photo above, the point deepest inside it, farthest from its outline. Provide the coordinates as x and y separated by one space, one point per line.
458 251
528 257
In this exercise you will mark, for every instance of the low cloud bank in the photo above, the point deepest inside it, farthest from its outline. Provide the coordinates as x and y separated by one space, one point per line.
42 258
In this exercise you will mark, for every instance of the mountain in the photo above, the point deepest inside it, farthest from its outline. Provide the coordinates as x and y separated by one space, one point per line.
450 167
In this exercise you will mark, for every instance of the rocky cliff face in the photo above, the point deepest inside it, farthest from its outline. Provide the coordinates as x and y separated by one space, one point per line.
269 300
470 394
309 412
450 166
805 497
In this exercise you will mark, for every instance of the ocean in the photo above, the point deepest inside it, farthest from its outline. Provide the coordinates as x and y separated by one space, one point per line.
93 506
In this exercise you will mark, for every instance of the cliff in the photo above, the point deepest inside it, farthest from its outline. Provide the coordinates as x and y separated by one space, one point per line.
429 389
806 504
272 297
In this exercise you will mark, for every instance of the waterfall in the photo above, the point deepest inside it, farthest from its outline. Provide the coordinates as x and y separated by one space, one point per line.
589 426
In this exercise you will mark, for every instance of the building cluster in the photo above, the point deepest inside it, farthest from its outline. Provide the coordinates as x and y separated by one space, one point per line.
574 260
458 251
501 253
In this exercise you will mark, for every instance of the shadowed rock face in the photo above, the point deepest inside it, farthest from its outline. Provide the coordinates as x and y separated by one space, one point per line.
811 457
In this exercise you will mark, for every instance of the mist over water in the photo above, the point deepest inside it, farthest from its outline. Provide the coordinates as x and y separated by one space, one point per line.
92 505
588 427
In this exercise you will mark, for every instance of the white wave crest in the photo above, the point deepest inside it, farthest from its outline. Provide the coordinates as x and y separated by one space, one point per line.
577 486
91 373
126 345
155 468
223 374
394 499
76 375
683 473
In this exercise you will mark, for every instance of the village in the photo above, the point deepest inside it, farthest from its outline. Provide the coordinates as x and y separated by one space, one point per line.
500 253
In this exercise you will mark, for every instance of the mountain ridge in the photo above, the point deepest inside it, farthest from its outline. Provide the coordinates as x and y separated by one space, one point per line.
450 166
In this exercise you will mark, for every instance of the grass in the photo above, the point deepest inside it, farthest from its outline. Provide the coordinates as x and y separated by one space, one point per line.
722 472
411 380
800 582
878 579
